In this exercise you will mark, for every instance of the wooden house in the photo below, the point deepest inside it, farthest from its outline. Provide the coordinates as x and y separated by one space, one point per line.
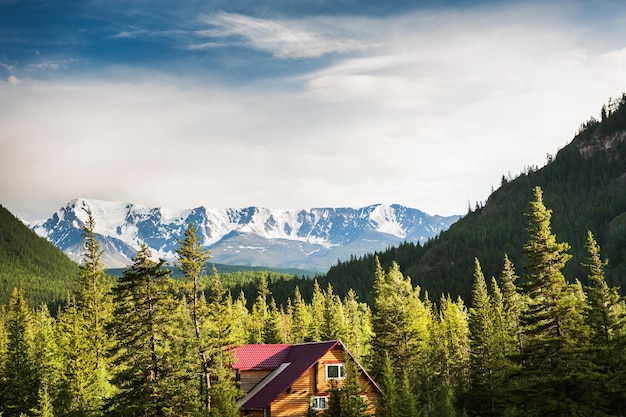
281 380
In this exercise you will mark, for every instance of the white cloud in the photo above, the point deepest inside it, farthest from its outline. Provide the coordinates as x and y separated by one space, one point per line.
13 80
431 115
282 39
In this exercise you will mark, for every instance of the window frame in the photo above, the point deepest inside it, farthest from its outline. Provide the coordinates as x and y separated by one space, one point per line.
315 402
341 371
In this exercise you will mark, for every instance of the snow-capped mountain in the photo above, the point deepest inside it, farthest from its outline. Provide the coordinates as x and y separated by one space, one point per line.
312 239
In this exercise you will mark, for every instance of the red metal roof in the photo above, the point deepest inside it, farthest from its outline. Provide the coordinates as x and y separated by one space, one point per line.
249 357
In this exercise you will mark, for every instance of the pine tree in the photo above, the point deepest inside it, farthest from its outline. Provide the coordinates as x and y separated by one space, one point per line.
553 322
317 314
191 261
605 316
79 394
358 328
219 336
483 347
453 351
240 316
300 318
352 403
260 314
513 304
92 301
407 401
19 387
333 319
333 406
149 378
394 322
389 403
48 360
94 305
274 332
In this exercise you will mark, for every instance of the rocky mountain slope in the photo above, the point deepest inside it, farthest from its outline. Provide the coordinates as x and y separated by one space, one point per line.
312 239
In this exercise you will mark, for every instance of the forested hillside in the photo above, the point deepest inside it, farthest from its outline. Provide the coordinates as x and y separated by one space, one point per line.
151 345
585 186
46 274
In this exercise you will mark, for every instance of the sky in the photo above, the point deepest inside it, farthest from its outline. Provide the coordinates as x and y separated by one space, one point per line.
291 103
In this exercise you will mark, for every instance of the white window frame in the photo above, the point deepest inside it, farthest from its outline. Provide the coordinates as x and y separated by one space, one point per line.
341 371
319 402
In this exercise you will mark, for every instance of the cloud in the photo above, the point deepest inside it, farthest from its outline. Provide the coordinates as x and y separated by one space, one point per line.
282 39
430 114
13 80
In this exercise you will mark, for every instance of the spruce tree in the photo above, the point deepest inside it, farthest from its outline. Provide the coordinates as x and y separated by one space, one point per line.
19 389
220 334
483 347
352 404
513 305
192 259
317 314
388 405
333 318
394 321
92 301
605 304
554 331
605 317
48 360
78 391
451 352
94 305
300 318
358 328
259 317
149 378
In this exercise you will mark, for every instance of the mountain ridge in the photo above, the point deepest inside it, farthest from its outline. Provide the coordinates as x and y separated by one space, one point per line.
310 239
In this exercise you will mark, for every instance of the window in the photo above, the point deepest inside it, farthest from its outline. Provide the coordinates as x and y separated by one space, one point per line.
318 403
335 371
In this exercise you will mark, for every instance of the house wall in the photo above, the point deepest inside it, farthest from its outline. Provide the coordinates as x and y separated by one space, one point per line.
248 379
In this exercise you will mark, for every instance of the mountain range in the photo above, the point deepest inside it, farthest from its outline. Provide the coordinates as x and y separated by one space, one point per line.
309 239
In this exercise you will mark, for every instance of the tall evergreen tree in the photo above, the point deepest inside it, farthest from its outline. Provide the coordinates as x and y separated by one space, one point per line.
553 326
92 301
300 318
47 359
317 314
605 317
513 305
18 393
389 405
94 305
605 304
396 305
332 325
483 347
148 378
259 317
358 328
79 395
219 335
191 261
352 403
451 352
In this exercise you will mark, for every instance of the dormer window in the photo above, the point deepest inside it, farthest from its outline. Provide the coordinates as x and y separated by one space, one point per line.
335 371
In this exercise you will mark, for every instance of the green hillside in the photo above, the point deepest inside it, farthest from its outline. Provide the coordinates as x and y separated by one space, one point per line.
584 185
46 273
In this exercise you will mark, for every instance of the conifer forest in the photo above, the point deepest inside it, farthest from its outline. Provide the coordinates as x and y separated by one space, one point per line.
528 343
